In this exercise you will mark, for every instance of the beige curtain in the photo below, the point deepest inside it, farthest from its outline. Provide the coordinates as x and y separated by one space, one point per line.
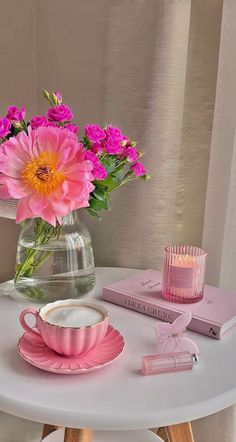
150 67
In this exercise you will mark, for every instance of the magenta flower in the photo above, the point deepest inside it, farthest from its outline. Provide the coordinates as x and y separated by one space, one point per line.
72 127
114 132
47 172
131 154
38 121
60 113
58 96
99 172
91 157
97 148
138 169
94 133
5 126
15 114
113 146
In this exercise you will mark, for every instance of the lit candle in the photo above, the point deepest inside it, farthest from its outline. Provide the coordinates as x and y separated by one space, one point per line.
183 273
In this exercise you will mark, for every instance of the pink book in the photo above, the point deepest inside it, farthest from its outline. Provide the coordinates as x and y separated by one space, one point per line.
213 316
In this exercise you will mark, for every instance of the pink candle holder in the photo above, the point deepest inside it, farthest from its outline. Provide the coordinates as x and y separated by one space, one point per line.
183 273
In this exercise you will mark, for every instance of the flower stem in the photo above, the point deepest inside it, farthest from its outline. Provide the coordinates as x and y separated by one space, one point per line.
35 257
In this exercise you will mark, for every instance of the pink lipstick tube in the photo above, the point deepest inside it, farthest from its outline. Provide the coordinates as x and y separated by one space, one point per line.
168 363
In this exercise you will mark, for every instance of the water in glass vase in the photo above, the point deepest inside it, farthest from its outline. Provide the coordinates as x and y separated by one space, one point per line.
54 262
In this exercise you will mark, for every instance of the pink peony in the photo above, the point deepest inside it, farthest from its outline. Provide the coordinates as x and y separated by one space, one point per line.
47 172
113 146
94 133
38 121
15 114
5 126
115 133
138 169
72 127
60 113
131 154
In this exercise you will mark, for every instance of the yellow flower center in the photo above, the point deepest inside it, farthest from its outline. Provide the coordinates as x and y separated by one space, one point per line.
41 174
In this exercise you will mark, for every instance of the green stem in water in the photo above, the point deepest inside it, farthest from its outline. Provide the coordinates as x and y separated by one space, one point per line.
44 232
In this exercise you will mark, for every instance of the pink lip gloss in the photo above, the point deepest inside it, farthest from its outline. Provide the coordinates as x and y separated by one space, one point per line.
168 363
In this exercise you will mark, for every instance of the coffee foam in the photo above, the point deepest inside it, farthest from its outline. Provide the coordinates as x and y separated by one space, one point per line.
73 316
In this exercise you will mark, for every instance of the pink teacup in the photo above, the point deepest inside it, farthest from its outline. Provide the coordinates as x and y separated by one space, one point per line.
69 327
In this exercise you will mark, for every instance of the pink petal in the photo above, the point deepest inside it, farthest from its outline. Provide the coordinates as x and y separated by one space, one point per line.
38 204
4 193
47 139
81 204
17 189
23 210
49 216
11 165
60 207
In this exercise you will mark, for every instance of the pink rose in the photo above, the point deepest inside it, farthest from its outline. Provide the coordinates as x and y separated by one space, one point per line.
60 113
58 96
91 157
38 121
113 146
94 133
97 148
72 127
114 132
131 154
99 172
5 126
15 114
138 169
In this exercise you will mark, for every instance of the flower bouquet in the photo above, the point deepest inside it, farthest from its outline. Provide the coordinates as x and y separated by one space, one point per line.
52 173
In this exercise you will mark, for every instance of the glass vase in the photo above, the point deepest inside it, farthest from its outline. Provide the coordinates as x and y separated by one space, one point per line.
54 262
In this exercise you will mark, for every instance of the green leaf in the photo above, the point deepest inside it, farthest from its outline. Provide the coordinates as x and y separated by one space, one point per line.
118 170
109 163
98 204
109 183
86 143
94 213
100 194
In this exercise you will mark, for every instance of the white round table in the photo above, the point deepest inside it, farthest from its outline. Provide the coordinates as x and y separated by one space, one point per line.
116 397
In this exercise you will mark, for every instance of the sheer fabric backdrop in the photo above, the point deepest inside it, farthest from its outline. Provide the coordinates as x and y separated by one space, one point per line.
150 67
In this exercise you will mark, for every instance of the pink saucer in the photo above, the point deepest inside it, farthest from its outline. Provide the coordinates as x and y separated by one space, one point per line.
37 353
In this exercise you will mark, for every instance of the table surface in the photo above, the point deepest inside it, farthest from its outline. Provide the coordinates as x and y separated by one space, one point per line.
117 396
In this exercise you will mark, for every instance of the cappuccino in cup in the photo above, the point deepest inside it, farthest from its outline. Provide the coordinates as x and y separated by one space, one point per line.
69 327
73 316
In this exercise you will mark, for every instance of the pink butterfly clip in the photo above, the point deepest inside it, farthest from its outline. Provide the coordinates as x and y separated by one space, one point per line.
171 337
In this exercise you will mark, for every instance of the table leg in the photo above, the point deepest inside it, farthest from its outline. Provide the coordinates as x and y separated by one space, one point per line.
177 433
48 429
75 435
162 433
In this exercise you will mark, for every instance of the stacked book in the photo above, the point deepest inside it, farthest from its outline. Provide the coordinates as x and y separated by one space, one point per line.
213 316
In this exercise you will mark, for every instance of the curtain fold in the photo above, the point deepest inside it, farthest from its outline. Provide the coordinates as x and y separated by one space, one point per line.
220 215
140 96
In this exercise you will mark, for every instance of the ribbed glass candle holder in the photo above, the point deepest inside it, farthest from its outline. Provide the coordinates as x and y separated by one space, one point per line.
183 273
